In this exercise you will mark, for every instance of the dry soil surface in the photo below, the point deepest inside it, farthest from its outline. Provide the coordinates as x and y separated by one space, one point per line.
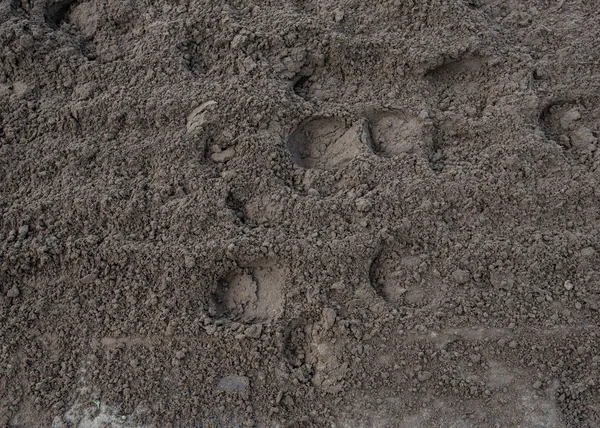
299 213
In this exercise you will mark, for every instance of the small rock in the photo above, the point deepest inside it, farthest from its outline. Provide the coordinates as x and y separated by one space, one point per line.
23 230
588 252
223 156
328 317
189 262
568 285
199 116
363 205
537 384
513 344
180 355
475 358
424 376
27 41
210 329
504 280
238 41
253 331
461 276
13 292
88 279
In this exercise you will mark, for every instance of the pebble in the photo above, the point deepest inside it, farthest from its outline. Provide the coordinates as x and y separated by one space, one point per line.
461 276
424 376
328 316
189 262
568 285
363 205
13 292
88 279
223 156
253 331
198 117
23 230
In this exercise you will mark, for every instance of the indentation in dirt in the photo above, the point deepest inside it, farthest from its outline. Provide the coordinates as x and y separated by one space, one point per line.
301 85
192 56
294 342
461 85
326 143
237 207
252 294
394 133
58 12
460 96
78 18
457 69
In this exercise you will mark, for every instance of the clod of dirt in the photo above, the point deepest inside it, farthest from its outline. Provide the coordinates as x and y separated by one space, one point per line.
13 292
200 116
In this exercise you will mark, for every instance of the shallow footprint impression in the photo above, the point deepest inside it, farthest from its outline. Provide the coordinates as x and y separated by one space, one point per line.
394 134
251 295
326 143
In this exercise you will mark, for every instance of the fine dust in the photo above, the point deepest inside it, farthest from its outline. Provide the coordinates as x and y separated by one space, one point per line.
299 213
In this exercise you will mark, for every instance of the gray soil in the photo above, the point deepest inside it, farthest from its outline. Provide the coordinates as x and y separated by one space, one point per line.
299 213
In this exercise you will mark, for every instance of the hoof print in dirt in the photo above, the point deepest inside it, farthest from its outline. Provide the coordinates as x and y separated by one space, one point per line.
78 18
251 295
461 88
393 133
326 143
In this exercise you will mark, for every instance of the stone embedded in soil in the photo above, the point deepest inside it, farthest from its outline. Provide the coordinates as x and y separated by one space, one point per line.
461 276
23 230
224 155
199 116
13 292
88 279
424 376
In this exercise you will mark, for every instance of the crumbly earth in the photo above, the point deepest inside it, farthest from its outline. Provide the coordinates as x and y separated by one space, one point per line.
299 213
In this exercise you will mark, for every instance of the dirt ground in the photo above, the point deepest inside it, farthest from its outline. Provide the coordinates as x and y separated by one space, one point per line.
300 213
